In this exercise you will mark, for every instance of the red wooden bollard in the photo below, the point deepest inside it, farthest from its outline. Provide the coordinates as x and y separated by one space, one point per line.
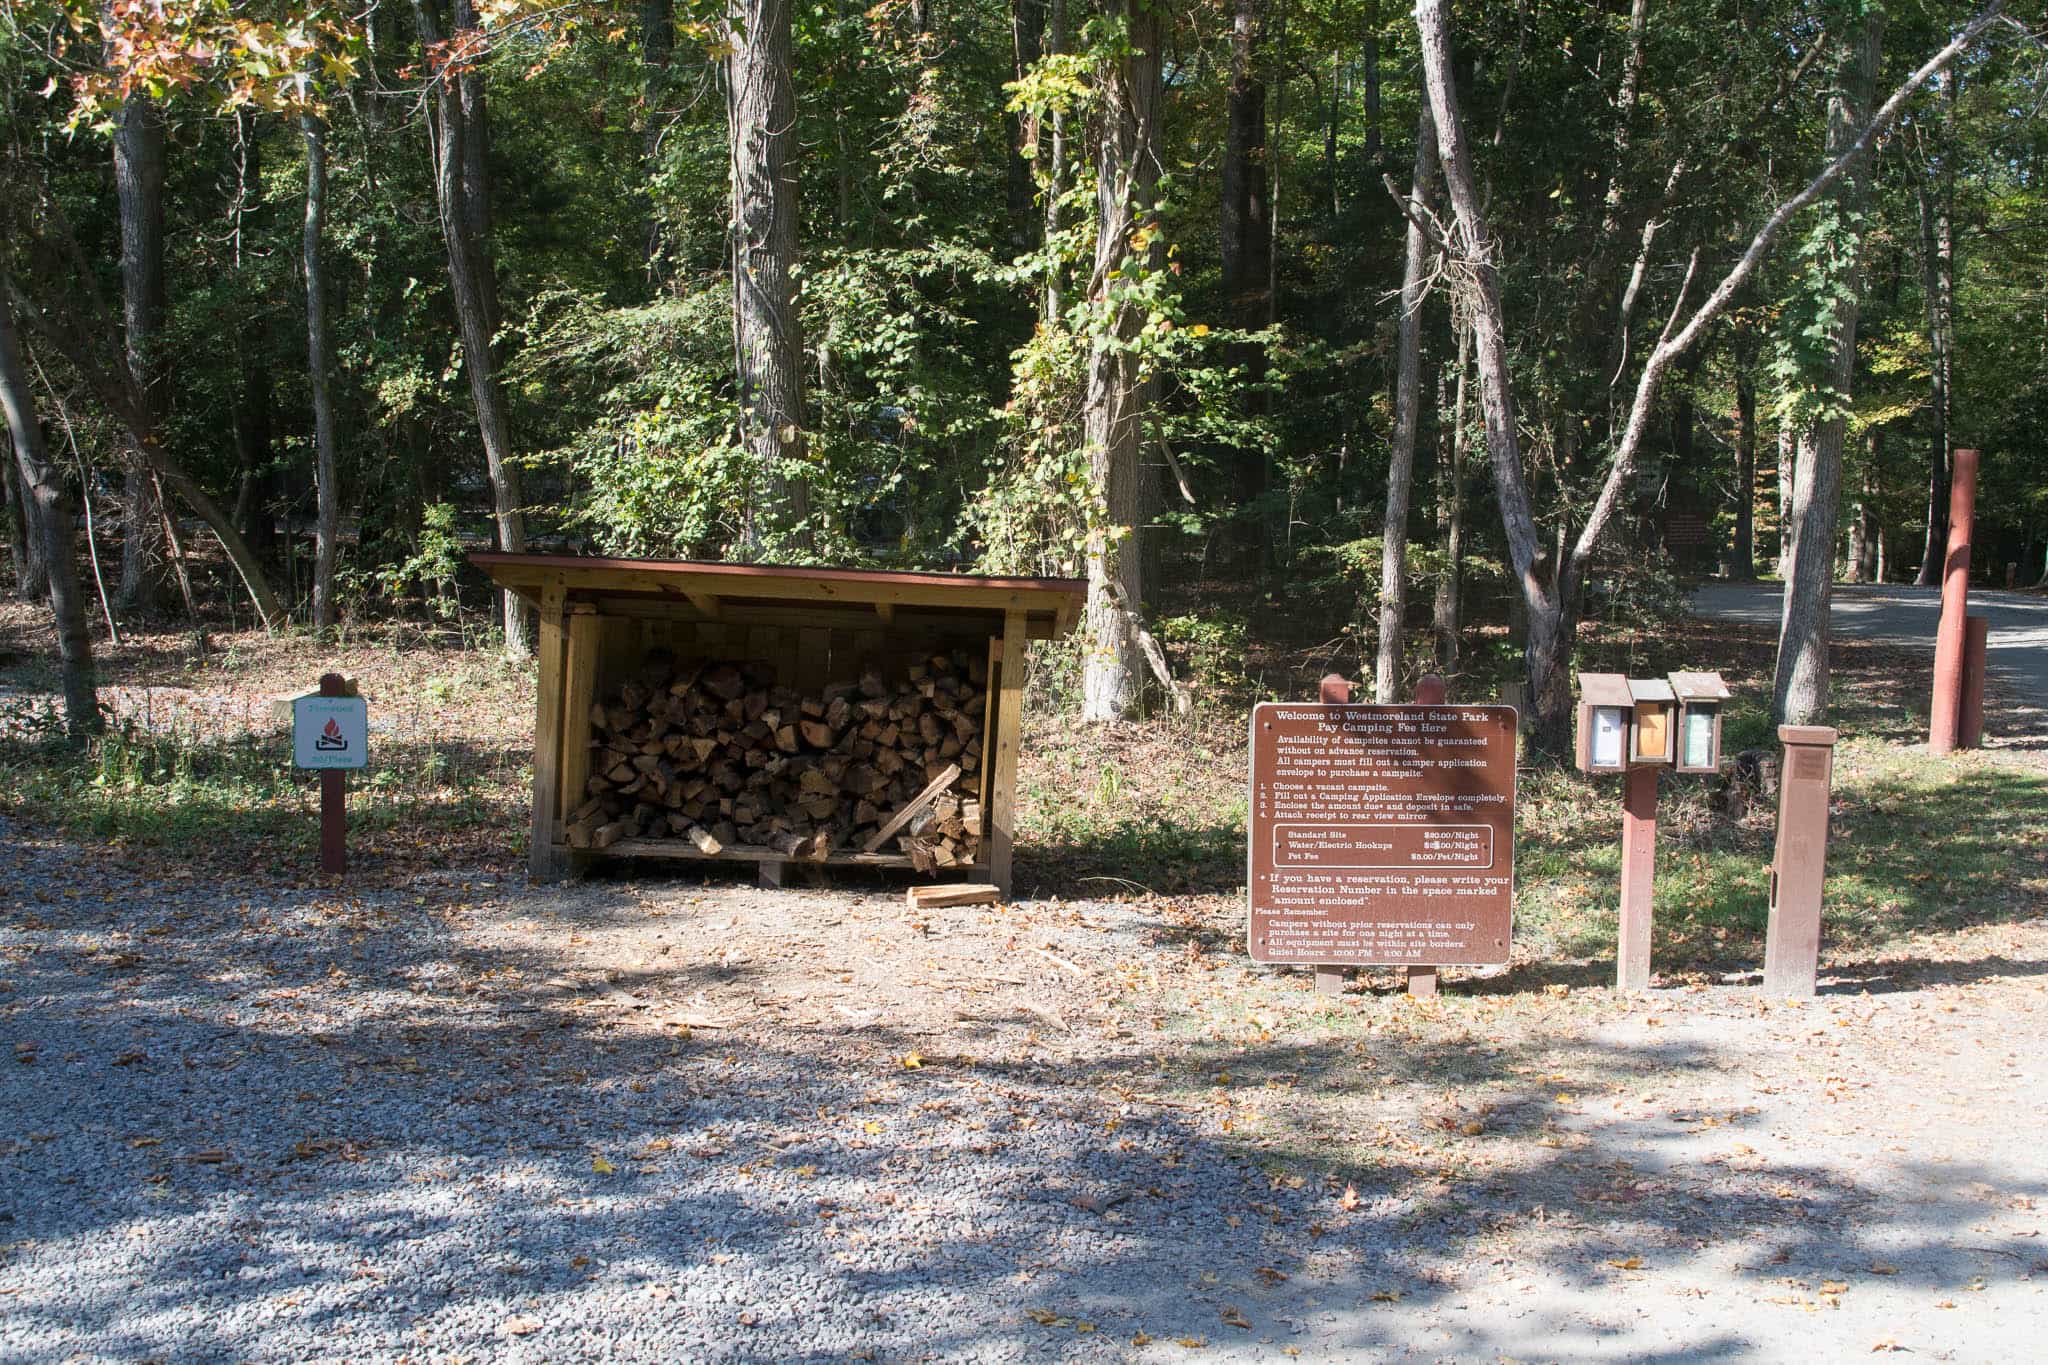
1970 709
333 798
1945 714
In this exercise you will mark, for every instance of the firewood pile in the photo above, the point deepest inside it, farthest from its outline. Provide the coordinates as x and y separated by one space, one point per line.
716 753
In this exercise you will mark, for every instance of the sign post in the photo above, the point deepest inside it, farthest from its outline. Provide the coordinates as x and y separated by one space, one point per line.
1381 835
1799 866
331 733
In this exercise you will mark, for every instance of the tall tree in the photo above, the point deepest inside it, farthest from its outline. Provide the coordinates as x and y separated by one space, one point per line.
1936 203
1127 166
460 180
44 487
318 364
1245 220
767 334
1800 688
1407 412
1742 555
139 167
1549 600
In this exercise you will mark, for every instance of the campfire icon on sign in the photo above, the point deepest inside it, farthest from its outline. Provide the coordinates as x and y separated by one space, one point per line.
330 739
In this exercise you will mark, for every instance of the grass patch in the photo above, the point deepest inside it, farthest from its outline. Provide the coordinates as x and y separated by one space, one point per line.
221 802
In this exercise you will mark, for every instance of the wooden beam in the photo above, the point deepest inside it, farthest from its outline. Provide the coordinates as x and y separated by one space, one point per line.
578 692
887 611
704 602
909 812
543 863
745 853
1009 718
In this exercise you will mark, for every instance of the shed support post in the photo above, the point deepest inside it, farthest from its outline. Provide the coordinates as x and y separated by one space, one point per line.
1002 756
579 690
542 862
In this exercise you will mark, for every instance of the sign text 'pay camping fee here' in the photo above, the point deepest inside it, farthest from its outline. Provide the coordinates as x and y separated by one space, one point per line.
1382 835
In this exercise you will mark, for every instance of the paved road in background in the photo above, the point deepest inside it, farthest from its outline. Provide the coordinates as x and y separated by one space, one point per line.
2016 650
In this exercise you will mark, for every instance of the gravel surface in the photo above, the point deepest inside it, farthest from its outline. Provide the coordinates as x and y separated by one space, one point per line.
664 1121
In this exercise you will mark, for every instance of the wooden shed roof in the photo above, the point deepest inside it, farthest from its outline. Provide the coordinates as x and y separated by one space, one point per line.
1050 605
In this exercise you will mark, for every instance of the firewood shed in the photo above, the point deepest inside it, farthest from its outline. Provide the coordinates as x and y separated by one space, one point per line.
776 715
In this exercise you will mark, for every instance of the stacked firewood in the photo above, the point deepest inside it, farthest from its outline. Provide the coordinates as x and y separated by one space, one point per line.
718 754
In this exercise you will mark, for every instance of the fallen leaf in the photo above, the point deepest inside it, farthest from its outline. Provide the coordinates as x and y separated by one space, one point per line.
601 1166
1233 1318
1627 1263
1141 1339
912 1061
871 1128
1880 1268
1389 1295
519 1325
1350 1199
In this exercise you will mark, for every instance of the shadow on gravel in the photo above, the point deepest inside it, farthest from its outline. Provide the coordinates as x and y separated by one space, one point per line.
367 1138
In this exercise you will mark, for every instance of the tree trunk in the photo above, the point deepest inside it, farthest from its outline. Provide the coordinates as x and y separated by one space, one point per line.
1742 560
139 186
1051 299
25 545
1550 629
1245 222
255 516
1448 612
1800 693
1937 275
767 334
1786 448
52 521
1027 41
326 490
1407 410
1127 179
456 174
1373 137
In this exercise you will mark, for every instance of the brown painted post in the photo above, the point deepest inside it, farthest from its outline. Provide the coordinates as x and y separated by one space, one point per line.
1944 719
1970 719
1430 690
1638 877
1799 868
1335 690
333 798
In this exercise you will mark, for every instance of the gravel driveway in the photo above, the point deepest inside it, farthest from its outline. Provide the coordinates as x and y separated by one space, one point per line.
667 1121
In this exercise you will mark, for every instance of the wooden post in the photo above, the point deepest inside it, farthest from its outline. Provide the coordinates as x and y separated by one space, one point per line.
1799 867
579 690
1970 713
1638 875
541 860
1945 713
1002 755
333 798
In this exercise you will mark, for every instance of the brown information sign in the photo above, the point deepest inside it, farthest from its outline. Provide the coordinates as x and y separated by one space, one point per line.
1382 835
